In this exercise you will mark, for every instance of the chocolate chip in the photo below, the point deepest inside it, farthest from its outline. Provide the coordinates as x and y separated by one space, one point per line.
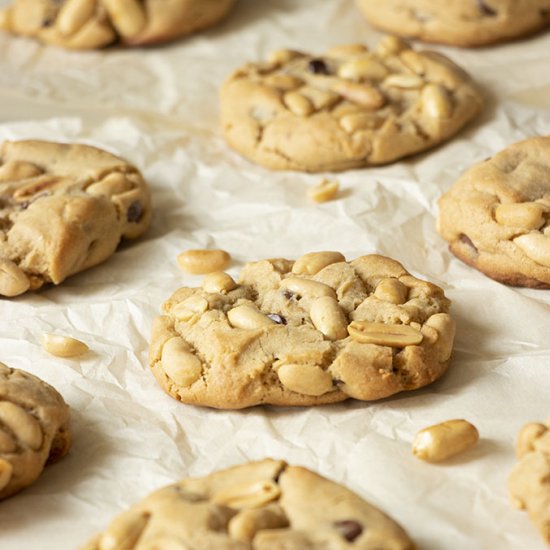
277 318
485 9
348 529
135 211
288 295
317 66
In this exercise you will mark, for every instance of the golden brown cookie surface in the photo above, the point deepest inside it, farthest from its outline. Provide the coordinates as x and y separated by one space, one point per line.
262 505
458 22
318 330
34 429
496 217
85 24
63 208
348 108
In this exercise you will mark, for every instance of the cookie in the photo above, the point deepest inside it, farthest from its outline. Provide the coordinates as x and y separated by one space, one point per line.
264 505
348 108
318 330
458 22
529 482
63 209
85 24
496 217
34 429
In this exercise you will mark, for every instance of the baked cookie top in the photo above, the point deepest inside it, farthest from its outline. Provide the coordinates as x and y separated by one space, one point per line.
63 208
529 482
318 330
348 108
458 22
34 428
85 24
496 217
264 505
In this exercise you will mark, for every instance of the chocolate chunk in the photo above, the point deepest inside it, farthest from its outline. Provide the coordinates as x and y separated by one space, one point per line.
317 66
135 211
277 318
485 9
348 529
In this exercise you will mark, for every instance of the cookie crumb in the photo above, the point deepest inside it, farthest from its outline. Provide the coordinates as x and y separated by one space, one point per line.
324 191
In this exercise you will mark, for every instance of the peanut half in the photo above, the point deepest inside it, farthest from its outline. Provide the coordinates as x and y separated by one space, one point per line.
444 440
313 262
324 191
63 346
201 261
397 336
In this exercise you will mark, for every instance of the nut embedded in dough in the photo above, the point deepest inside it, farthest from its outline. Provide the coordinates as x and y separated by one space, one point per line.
279 335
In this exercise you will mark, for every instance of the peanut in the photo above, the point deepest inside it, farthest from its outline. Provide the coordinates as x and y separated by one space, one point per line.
218 282
23 424
328 318
248 495
535 246
247 523
313 262
305 379
127 16
528 215
248 317
13 280
391 290
179 363
441 441
200 261
397 336
124 532
63 346
435 101
188 308
298 103
363 94
307 287
324 191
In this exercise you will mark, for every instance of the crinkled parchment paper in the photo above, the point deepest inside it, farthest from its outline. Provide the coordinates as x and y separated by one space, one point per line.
158 108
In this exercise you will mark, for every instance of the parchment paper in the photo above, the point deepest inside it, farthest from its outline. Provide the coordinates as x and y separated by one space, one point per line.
158 108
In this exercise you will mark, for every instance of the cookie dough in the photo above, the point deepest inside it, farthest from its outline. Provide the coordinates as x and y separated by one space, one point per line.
348 108
34 429
318 330
458 22
264 505
63 208
529 483
85 24
496 217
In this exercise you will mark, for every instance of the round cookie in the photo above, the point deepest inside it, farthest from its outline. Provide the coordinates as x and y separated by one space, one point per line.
315 331
348 108
458 22
496 217
264 505
529 482
34 429
63 208
84 24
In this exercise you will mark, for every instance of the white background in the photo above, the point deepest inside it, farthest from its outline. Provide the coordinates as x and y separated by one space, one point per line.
158 108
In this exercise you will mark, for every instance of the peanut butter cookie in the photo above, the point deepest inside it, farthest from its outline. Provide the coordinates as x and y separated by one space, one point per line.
348 108
318 330
496 217
34 429
529 482
458 22
63 209
85 24
264 505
